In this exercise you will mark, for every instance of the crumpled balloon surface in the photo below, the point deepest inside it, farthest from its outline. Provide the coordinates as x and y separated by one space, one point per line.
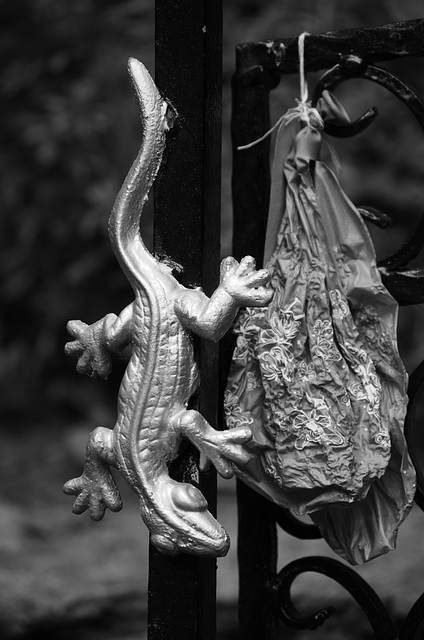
317 375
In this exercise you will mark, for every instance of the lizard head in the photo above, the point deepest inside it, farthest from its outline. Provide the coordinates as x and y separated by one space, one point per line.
186 525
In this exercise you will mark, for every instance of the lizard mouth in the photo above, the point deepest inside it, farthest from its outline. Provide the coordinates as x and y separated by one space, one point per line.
174 544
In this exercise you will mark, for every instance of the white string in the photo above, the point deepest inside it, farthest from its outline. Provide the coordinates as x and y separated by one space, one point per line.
268 133
303 83
303 95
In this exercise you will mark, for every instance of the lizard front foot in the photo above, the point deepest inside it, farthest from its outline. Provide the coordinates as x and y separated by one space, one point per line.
220 448
244 284
94 358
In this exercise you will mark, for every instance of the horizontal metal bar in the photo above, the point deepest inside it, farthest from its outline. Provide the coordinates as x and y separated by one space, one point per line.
322 51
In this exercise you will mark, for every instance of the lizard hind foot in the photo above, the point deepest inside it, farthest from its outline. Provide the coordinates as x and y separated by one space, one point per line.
95 489
95 498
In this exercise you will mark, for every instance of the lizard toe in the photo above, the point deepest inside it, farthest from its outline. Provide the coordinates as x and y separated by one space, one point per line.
239 435
81 503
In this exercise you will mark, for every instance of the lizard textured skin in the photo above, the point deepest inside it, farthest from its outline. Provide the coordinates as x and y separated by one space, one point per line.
161 375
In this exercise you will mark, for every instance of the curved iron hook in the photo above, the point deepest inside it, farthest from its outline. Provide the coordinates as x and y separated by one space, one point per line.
353 128
375 216
408 251
360 590
295 527
349 67
413 624
353 67
407 286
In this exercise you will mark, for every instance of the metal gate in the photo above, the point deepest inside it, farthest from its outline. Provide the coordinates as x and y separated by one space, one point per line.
265 595
181 600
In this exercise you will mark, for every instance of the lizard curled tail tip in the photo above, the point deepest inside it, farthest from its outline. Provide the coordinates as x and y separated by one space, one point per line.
148 95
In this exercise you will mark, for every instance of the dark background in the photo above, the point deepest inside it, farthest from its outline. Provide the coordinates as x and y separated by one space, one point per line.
69 132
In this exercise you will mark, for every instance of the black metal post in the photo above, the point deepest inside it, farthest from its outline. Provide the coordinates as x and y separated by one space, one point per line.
182 601
257 540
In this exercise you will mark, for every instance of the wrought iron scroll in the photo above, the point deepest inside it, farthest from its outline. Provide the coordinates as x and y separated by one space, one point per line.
364 595
406 285
413 627
359 589
260 65
294 526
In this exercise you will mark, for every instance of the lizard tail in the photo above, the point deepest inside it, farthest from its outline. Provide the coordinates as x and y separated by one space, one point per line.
124 223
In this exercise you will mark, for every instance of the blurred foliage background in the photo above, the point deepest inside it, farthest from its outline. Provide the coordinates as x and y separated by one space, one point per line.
69 132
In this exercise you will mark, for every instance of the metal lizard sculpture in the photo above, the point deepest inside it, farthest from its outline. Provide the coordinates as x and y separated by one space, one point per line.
161 374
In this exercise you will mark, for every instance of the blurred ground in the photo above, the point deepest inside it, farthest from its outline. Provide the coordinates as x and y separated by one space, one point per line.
64 576
69 131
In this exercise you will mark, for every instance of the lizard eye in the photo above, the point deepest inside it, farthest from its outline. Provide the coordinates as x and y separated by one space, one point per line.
189 498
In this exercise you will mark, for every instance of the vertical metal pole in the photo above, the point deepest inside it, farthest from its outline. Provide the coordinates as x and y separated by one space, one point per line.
257 538
251 177
182 600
